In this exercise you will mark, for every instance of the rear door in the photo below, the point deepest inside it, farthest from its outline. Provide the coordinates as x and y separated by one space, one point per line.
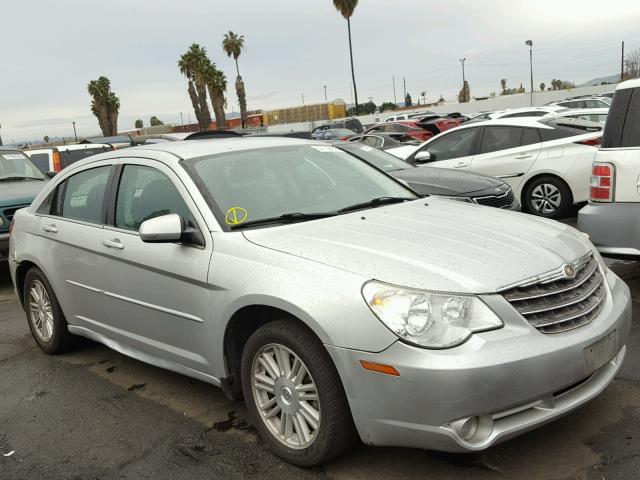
507 152
157 293
621 144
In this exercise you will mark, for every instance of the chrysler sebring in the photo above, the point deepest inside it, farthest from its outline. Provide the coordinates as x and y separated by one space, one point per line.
334 299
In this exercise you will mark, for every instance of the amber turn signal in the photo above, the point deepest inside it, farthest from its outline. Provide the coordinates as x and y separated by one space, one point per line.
379 368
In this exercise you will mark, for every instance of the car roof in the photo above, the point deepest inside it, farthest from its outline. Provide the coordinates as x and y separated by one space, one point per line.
635 83
581 111
72 146
533 122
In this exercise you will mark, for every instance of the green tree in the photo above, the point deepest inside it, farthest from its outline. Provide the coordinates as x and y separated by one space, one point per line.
503 84
387 106
346 8
46 139
233 44
104 105
217 85
155 121
193 64
139 123
368 108
542 87
408 102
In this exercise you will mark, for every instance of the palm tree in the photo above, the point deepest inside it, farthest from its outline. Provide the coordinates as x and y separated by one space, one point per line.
233 45
104 105
193 64
346 8
503 84
217 85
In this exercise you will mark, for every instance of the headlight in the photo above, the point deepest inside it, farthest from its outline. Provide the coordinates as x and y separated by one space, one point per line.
1 221
425 319
459 199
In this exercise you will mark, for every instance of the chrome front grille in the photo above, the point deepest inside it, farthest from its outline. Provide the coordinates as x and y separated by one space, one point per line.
553 303
498 201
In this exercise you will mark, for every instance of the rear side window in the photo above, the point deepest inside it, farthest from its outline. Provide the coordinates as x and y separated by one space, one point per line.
41 160
500 138
616 119
84 195
631 132
530 136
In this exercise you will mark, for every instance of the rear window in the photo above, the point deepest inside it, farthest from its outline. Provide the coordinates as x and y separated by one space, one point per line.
616 119
41 160
566 127
69 157
631 132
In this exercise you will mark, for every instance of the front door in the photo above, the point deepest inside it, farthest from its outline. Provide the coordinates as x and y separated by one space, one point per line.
157 293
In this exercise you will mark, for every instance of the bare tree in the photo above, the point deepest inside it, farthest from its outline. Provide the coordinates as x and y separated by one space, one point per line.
632 64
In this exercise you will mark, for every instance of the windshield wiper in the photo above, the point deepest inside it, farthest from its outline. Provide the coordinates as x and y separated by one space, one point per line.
13 179
284 218
374 202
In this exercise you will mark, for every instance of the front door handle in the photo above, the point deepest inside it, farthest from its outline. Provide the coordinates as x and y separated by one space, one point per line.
523 156
115 243
461 164
51 228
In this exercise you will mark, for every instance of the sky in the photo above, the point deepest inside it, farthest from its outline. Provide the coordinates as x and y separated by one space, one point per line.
52 49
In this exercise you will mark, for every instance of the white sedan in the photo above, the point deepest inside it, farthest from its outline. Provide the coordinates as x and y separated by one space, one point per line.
547 162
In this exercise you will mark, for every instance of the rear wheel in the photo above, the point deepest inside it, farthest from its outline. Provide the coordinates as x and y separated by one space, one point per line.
294 395
44 315
548 197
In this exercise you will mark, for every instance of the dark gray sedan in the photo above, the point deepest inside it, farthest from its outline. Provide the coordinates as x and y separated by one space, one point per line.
455 184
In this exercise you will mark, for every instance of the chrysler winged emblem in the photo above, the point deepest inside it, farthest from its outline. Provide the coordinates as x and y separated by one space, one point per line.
569 271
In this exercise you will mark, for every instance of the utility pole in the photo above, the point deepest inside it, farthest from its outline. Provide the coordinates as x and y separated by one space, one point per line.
0 136
621 66
529 43
404 81
395 100
325 93
462 60
182 121
75 135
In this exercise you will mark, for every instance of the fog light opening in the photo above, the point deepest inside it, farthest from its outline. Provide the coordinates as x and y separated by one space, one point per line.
474 429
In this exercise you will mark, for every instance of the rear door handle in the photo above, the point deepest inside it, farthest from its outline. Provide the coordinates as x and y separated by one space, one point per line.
461 164
115 243
51 228
523 156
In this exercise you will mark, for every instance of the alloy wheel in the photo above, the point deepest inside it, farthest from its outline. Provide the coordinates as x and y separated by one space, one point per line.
286 396
546 198
41 311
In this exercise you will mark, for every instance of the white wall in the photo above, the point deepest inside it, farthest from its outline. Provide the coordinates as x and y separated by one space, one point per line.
495 103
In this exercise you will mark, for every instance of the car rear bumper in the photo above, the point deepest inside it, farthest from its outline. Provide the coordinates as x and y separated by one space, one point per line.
513 379
612 227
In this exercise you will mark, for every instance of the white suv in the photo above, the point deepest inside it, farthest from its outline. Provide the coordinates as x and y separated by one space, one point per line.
611 218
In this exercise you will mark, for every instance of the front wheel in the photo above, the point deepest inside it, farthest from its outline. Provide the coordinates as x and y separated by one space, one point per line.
547 197
294 395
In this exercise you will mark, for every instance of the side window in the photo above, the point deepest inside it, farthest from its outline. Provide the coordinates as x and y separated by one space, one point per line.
530 136
368 140
84 195
500 138
453 145
146 193
631 132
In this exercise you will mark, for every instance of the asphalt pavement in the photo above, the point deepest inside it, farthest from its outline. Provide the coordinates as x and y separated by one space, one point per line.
95 414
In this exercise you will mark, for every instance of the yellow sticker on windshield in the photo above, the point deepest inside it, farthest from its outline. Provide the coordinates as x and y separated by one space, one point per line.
236 216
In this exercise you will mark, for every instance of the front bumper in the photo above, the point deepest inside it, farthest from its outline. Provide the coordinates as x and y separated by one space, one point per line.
612 227
4 246
517 376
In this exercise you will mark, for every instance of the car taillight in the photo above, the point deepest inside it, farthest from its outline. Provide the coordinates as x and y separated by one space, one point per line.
602 182
57 165
592 142
13 222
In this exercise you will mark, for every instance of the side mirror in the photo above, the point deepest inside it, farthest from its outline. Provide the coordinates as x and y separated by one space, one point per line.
164 229
423 157
51 174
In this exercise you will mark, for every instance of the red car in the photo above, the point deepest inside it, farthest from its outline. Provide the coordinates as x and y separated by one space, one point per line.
422 129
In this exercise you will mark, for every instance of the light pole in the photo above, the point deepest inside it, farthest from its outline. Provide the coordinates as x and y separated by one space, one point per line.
0 137
182 121
462 60
325 93
529 43
75 135
395 100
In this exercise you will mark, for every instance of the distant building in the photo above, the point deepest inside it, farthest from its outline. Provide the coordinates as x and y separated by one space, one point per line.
306 113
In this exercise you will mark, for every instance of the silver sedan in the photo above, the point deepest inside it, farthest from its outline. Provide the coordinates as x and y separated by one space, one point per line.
337 301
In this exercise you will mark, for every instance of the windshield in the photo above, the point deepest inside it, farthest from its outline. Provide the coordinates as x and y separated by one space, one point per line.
377 158
249 185
14 165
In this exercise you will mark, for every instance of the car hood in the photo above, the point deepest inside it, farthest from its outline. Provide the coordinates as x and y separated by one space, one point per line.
445 181
434 244
20 192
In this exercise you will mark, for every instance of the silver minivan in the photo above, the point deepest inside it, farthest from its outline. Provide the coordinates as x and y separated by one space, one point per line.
338 302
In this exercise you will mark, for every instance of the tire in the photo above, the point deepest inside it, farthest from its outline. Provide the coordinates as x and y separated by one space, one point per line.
547 196
334 432
45 318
